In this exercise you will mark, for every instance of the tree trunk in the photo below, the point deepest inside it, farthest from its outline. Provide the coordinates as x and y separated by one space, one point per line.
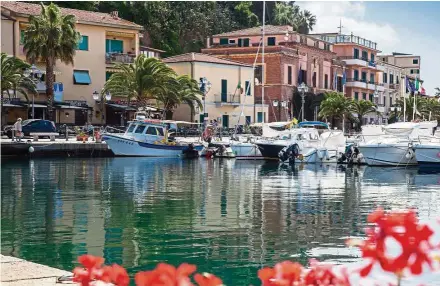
333 121
169 114
49 86
360 117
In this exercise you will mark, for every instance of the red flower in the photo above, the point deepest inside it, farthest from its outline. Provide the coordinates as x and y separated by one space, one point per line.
117 274
90 271
90 261
166 275
322 274
284 273
207 279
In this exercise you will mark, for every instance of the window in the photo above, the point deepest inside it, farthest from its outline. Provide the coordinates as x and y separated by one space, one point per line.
248 120
339 84
326 81
21 37
372 57
140 129
415 61
356 53
365 55
397 79
356 96
247 88
224 86
385 77
314 79
302 77
356 75
260 117
417 71
81 77
271 41
391 78
371 78
391 101
114 46
289 75
108 75
259 73
224 41
160 131
151 131
83 43
364 77
364 96
231 41
371 97
131 127
202 117
243 42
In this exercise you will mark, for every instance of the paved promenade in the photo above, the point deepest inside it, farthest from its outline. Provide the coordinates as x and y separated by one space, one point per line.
15 271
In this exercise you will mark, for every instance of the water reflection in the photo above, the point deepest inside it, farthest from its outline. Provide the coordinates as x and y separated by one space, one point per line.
227 216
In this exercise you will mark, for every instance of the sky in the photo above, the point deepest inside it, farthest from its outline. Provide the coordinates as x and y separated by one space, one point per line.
406 27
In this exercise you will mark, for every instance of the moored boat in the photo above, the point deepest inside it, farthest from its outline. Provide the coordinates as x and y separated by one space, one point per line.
428 154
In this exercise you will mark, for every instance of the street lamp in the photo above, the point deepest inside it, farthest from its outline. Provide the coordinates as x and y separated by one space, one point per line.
303 88
204 86
101 97
34 70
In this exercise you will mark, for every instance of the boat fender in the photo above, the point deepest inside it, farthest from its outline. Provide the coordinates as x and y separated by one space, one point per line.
300 157
31 149
410 154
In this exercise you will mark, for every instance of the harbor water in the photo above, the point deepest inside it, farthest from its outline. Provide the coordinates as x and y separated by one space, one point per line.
229 217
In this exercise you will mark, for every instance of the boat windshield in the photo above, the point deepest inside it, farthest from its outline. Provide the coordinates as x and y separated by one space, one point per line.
131 128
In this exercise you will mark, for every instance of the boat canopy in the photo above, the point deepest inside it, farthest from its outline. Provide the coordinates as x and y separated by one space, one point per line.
313 124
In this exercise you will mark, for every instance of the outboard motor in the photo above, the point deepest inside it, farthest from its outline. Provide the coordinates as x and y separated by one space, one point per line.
289 153
191 152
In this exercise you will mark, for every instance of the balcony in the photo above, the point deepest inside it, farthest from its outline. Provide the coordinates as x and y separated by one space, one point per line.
227 99
355 82
380 108
393 86
362 62
119 58
375 86
335 39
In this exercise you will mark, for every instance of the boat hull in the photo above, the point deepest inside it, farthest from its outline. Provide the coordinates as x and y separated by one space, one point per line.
246 151
270 151
388 155
428 156
321 156
121 146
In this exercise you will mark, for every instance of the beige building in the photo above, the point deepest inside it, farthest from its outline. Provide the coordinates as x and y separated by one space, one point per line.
409 63
106 39
230 99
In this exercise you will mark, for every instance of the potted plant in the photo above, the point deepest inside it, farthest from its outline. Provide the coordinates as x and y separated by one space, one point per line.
82 136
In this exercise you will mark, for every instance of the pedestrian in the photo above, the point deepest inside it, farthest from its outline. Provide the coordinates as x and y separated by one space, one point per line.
17 130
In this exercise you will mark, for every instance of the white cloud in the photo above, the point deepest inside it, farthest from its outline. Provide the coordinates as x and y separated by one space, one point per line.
328 15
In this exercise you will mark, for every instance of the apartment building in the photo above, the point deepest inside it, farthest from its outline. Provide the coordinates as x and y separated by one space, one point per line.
230 100
410 63
106 39
290 59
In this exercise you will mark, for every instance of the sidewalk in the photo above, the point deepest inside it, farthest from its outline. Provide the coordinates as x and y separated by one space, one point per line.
15 271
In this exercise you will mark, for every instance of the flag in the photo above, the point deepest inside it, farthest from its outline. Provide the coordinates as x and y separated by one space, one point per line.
417 85
408 85
422 90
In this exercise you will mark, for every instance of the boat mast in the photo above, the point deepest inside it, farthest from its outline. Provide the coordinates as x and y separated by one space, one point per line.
263 69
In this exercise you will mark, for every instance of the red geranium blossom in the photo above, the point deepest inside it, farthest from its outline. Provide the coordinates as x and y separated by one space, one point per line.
166 275
207 279
284 273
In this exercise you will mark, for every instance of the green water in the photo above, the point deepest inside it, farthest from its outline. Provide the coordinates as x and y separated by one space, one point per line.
229 217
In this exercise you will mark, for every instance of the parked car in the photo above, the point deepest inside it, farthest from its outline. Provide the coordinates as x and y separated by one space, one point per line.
33 126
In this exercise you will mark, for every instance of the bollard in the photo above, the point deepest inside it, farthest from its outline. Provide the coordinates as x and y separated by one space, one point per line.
67 134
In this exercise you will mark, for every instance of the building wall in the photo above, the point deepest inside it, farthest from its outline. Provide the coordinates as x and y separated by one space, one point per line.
93 60
215 73
7 45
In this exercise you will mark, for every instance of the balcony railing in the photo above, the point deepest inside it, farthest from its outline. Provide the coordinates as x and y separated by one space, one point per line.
364 81
370 62
349 39
111 58
227 98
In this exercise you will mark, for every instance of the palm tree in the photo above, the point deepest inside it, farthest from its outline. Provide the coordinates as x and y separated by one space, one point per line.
186 91
13 77
430 107
146 79
284 13
335 105
304 22
362 108
49 37
437 91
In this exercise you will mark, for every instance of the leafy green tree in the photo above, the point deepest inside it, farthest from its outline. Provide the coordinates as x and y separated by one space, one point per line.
335 106
430 107
49 37
437 91
284 14
362 108
304 22
186 90
146 79
13 77
244 15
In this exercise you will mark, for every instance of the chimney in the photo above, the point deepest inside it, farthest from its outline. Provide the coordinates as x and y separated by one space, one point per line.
208 45
114 14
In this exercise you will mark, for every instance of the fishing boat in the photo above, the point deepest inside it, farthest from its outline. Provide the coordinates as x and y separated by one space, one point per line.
147 138
395 148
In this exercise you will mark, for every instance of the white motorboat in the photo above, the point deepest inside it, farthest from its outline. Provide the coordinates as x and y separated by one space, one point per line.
218 149
395 147
428 152
147 138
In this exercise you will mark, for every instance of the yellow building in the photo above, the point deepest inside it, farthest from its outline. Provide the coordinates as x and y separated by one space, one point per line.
106 39
230 100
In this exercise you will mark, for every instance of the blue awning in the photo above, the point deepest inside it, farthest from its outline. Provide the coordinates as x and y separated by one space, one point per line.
81 77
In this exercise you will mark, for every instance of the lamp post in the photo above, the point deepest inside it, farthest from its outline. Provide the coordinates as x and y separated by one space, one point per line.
204 86
101 96
34 70
303 88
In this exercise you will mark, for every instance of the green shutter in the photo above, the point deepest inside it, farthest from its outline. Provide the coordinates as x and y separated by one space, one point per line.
240 42
247 88
356 96
271 41
224 41
364 96
83 44
21 37
224 86
248 120
108 75
356 53
246 42
114 46
364 77
356 74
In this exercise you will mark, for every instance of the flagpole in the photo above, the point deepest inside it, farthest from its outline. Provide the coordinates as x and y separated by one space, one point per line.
414 106
262 62
404 99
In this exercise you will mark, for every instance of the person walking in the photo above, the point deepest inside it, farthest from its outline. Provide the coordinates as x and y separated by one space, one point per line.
17 131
